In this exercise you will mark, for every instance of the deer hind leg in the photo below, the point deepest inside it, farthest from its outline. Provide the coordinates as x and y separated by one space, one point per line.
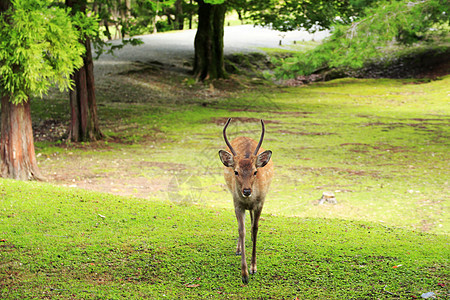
240 215
255 222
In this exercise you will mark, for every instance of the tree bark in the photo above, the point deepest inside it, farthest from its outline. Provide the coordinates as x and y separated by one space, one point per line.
209 59
179 16
190 16
17 143
84 125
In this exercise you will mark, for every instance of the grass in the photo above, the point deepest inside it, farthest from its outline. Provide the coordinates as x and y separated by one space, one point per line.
380 145
74 244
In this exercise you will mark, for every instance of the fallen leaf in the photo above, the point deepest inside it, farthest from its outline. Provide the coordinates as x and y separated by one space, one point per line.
192 285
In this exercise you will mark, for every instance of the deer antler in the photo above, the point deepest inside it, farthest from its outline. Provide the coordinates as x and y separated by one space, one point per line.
260 139
226 139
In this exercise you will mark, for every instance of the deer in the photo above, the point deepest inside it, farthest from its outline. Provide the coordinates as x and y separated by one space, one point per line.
248 173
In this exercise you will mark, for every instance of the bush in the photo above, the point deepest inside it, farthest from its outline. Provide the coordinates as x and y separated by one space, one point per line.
382 29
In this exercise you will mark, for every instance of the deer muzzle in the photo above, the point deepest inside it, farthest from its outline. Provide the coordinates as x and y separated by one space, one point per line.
246 192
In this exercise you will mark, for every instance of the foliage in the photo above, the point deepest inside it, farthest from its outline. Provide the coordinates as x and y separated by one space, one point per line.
214 2
87 26
99 246
102 47
313 15
390 23
39 48
143 14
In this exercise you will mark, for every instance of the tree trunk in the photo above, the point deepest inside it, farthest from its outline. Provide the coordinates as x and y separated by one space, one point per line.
128 8
84 124
179 16
209 60
190 16
155 30
17 143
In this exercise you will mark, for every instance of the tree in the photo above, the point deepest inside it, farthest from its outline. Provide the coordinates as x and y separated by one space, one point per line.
84 125
278 14
310 15
209 59
179 15
38 48
387 25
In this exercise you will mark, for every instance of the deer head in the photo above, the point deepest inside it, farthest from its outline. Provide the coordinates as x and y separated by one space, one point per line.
245 162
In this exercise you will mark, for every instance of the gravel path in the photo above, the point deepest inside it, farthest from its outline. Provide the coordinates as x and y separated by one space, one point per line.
177 47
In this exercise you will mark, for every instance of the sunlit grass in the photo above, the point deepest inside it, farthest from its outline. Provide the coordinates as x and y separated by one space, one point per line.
68 243
380 145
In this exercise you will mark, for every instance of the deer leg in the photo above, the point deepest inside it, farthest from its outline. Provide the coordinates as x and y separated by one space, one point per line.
255 222
238 247
251 219
240 216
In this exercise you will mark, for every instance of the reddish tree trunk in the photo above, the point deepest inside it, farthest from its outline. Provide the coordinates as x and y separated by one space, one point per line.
17 143
84 126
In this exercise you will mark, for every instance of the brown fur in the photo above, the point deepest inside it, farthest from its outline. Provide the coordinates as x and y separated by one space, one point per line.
245 163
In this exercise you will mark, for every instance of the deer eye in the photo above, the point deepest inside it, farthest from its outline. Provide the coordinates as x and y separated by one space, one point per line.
255 173
236 173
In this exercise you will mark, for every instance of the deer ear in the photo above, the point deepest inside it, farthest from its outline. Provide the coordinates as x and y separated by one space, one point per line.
263 158
226 158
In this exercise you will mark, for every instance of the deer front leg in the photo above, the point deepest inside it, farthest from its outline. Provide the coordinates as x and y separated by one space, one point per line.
240 216
238 247
255 222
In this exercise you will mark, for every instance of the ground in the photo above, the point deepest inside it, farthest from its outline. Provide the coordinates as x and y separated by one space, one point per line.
380 145
140 158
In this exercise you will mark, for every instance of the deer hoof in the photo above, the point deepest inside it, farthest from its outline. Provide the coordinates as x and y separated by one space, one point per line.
252 272
238 253
244 279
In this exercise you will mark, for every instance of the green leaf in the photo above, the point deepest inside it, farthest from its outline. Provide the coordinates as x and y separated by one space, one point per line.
40 47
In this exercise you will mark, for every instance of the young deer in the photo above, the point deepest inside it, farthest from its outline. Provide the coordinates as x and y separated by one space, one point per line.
248 173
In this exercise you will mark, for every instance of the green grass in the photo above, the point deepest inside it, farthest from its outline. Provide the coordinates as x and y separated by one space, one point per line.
73 244
380 145
291 48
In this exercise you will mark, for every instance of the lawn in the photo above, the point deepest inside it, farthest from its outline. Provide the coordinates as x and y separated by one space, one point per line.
381 146
67 243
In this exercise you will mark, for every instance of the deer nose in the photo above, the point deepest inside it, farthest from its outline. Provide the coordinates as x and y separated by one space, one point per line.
246 192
